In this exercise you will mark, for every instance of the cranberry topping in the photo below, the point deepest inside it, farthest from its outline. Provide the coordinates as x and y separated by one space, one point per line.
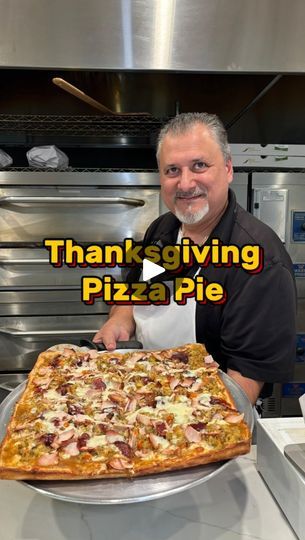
218 401
55 362
99 384
63 389
199 426
181 357
160 428
47 438
82 441
74 409
126 450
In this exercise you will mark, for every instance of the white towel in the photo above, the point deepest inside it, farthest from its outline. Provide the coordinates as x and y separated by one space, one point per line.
44 157
5 160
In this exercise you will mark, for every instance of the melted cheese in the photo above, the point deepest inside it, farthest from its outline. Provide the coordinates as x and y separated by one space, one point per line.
162 442
52 394
182 413
204 399
97 440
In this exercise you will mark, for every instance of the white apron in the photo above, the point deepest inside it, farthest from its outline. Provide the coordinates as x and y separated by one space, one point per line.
163 327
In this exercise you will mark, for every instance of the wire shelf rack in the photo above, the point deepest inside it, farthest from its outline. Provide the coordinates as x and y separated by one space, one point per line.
98 126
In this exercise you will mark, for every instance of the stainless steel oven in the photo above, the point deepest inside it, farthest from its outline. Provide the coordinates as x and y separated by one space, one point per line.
279 201
41 305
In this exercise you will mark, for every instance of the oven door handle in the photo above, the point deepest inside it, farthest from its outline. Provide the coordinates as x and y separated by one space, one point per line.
24 261
11 199
25 333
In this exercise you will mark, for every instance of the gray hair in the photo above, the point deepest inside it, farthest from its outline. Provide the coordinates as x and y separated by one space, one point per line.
185 121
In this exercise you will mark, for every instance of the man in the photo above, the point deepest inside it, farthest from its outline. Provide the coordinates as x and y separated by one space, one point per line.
252 335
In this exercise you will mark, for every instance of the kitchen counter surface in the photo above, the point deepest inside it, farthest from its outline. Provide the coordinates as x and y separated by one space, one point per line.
233 505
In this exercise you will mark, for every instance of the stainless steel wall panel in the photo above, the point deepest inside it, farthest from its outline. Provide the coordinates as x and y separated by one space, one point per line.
294 183
202 35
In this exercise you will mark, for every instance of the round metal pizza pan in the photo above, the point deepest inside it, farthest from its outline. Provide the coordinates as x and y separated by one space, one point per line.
125 490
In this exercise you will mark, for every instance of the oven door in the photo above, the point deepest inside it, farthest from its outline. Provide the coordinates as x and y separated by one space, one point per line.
86 214
23 337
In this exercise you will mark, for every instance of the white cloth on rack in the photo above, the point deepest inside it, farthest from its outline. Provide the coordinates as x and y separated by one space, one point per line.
47 157
5 160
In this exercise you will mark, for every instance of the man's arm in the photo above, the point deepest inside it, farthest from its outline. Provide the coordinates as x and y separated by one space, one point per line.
120 326
251 387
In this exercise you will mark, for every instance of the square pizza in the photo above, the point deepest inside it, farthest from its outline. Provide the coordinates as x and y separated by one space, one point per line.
89 414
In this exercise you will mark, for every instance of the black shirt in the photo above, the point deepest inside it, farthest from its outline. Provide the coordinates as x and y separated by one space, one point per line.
254 332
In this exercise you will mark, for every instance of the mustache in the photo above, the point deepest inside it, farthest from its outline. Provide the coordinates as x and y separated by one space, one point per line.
190 193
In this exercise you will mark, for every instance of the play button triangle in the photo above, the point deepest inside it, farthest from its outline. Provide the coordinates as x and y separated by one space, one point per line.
151 270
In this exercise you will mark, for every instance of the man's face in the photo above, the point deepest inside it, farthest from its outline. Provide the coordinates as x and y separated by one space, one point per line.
194 176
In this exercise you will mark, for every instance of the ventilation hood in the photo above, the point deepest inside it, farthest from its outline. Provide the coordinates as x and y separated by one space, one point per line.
241 59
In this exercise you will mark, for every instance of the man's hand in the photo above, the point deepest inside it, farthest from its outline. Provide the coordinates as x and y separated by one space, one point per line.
119 327
250 386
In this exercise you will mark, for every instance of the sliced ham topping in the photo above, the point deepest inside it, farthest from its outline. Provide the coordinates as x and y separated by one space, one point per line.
48 459
159 368
113 436
122 427
43 370
187 382
143 419
117 397
65 435
67 352
131 362
158 356
42 381
131 405
154 440
196 386
71 449
116 385
93 392
148 400
234 418
93 353
143 390
209 359
217 416
192 434
107 405
132 441
173 382
119 464
82 419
